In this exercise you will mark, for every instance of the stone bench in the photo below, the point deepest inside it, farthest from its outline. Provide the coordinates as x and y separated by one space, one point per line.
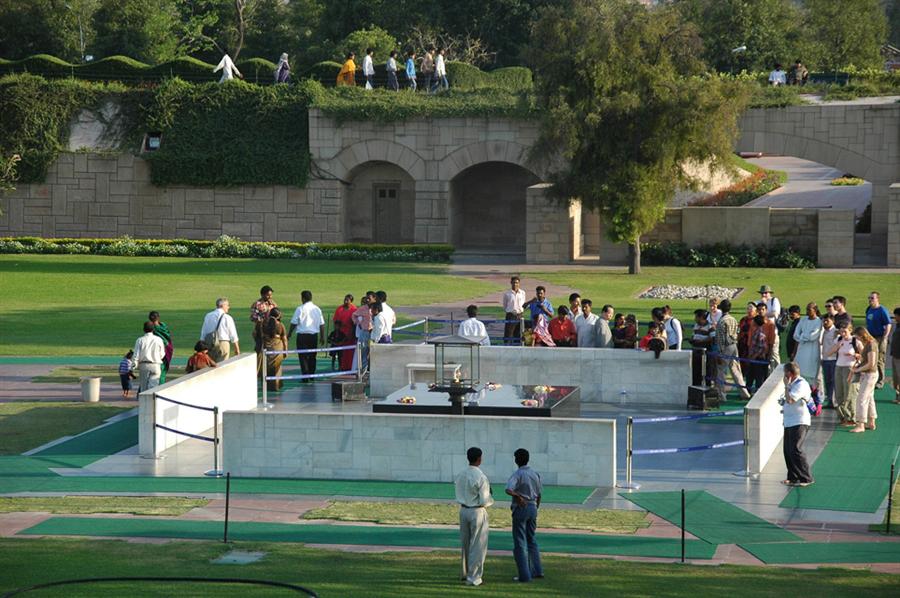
450 369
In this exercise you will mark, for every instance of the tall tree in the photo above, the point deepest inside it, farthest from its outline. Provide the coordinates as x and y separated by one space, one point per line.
844 33
62 28
146 30
770 30
627 104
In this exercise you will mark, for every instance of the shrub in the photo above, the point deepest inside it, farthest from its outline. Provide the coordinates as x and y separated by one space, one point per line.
228 247
374 37
847 181
513 78
324 72
724 256
258 70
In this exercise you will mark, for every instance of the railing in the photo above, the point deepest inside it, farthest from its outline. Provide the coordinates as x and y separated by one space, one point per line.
215 471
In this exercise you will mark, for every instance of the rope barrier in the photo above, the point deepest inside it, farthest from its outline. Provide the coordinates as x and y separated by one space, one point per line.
735 358
197 436
307 376
316 350
186 404
675 418
686 449
411 324
455 321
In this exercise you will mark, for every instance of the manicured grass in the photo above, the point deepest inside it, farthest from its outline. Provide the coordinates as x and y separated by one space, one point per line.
790 286
73 374
84 505
96 305
599 520
24 426
397 575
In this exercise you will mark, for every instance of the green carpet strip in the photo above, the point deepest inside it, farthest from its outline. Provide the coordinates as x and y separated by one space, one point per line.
837 552
25 483
361 535
852 472
711 518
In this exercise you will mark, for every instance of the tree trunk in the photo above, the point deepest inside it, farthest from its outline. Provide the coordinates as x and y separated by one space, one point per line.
634 257
241 25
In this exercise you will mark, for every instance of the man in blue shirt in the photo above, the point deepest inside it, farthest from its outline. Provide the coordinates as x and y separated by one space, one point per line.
525 488
539 304
878 323
411 69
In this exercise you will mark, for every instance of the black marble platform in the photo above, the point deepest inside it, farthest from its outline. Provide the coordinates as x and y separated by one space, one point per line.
504 400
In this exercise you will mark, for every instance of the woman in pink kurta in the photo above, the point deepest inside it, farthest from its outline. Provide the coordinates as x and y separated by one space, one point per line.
346 332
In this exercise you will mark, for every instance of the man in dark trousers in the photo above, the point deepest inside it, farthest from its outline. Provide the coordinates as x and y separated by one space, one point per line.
796 424
525 488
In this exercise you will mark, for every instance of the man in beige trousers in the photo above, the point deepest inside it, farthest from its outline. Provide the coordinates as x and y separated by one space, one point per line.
473 493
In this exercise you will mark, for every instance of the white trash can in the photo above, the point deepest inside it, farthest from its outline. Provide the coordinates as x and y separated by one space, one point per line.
90 389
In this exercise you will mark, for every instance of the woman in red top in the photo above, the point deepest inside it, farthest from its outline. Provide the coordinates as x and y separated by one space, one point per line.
345 332
743 341
562 329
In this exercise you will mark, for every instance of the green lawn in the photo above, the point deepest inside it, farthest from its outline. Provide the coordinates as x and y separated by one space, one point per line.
96 305
398 575
73 374
415 513
24 426
84 505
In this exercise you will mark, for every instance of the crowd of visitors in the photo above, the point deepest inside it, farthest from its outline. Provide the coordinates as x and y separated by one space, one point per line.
432 67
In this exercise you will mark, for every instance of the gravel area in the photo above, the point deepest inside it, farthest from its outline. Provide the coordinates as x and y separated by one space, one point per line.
674 291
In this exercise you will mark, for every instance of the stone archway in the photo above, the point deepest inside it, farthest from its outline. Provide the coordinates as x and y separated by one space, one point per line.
379 204
488 208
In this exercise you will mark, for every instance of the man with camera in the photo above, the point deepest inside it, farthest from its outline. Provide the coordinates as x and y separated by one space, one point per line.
797 394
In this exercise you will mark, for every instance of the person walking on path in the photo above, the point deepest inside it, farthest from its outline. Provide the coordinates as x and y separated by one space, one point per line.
411 69
219 332
797 394
161 330
808 335
259 313
347 75
310 326
149 352
726 341
391 68
524 486
473 493
369 69
830 340
866 367
773 312
895 355
878 323
846 384
428 69
283 69
274 338
513 307
440 72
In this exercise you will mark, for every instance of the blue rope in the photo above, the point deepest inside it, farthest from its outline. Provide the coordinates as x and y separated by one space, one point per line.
675 418
185 404
197 436
687 449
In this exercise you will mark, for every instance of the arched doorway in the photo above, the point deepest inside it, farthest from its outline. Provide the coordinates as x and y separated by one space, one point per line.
487 208
380 206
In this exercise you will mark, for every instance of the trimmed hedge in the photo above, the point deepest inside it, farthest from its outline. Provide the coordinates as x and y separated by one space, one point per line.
227 247
724 256
125 69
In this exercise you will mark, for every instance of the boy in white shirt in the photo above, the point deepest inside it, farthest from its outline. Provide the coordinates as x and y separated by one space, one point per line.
369 69
472 328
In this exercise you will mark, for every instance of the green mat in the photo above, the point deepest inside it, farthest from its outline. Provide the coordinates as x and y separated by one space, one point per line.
837 552
381 489
711 518
852 471
368 535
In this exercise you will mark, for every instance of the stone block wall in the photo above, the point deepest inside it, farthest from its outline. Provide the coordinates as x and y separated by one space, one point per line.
893 226
669 230
93 195
836 238
416 448
549 228
604 375
798 227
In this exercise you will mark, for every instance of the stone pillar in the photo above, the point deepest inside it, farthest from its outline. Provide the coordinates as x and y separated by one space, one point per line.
432 211
882 194
548 228
577 237
835 238
893 227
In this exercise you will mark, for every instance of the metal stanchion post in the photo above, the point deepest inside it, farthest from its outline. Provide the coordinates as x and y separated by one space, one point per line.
451 322
890 505
359 366
426 329
682 525
265 390
521 330
629 449
227 501
746 473
215 472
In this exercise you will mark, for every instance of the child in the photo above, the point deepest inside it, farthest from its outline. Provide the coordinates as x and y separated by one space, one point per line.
200 359
562 330
631 327
126 373
618 331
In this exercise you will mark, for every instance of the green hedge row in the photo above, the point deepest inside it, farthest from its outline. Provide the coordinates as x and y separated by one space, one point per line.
724 256
128 70
462 76
227 247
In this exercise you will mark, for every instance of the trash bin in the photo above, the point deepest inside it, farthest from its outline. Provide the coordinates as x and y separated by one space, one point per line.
90 389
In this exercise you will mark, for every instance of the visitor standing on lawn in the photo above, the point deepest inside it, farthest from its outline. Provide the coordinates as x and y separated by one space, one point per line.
867 368
878 323
473 493
259 313
513 306
219 332
808 336
163 332
726 341
524 486
797 394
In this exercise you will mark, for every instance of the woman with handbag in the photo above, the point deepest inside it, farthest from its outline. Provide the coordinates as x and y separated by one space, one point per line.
344 334
845 386
273 338
868 376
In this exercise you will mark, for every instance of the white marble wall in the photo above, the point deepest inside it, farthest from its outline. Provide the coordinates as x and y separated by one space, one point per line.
231 385
602 374
764 421
578 452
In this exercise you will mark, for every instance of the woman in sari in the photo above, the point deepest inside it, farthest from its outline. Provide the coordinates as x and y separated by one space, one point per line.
344 332
542 332
274 338
162 331
347 75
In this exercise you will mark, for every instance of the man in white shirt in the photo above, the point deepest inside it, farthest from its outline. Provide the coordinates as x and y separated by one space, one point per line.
149 351
674 333
796 423
574 306
310 327
773 311
604 332
369 69
777 77
473 493
440 71
586 325
513 306
390 316
219 332
472 328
